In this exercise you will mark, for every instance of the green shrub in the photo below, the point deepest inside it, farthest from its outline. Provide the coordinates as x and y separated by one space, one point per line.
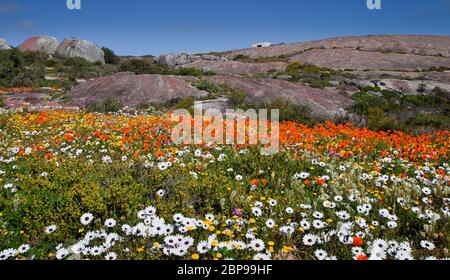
51 63
434 120
236 98
108 105
313 75
246 59
377 120
110 56
190 71
208 86
142 66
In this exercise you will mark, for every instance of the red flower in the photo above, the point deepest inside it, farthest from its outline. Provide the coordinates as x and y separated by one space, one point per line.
357 241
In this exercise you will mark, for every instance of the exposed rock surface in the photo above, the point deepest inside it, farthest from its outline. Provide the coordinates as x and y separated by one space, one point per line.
364 52
236 67
131 90
44 44
174 60
322 102
4 45
342 59
412 87
81 48
219 104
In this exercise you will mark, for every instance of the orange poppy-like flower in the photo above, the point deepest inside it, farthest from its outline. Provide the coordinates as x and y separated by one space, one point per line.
49 156
68 137
362 258
254 182
357 241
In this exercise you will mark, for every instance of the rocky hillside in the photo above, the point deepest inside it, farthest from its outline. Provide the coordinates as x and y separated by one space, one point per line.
366 79
405 53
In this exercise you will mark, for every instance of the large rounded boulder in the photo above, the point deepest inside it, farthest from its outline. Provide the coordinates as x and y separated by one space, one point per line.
81 48
43 44
4 45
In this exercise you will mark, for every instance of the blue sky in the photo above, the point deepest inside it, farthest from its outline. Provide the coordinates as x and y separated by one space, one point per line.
153 27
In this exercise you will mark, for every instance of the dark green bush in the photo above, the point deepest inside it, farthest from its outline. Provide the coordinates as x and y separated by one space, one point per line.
434 120
313 75
377 120
110 56
108 105
190 71
142 66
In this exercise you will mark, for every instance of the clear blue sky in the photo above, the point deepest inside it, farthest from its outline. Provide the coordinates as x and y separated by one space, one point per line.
152 27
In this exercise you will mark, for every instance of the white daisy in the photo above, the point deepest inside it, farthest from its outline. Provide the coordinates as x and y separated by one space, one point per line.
50 229
86 219
309 239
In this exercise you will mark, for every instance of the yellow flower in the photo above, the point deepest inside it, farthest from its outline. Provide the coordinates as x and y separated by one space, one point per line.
211 228
156 244
270 243
287 249
219 255
252 221
50 255
140 249
214 243
21 232
329 221
271 250
195 257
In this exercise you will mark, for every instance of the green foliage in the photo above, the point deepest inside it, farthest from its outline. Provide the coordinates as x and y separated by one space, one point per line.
438 121
236 97
142 66
18 69
190 71
110 56
395 111
208 86
289 111
313 75
246 59
377 119
108 105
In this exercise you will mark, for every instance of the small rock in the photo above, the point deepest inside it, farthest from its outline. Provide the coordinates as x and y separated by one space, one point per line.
4 45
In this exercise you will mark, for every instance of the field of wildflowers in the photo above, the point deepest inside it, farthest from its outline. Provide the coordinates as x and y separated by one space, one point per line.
94 186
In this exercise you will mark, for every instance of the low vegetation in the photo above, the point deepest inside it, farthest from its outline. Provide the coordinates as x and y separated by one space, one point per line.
389 110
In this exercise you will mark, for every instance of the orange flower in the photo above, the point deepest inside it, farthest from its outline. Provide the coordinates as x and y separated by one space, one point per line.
49 156
68 137
254 182
362 258
357 241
